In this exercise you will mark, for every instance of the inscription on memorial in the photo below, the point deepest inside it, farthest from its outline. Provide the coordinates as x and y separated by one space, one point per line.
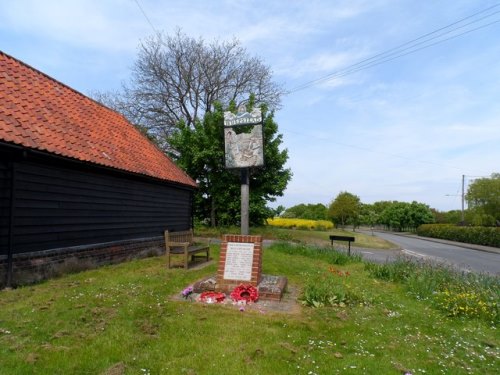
239 261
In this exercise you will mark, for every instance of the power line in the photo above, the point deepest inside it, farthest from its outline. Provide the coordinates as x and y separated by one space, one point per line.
403 54
383 56
146 16
367 149
399 51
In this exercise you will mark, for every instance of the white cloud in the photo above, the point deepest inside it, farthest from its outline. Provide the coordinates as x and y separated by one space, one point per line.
320 63
105 25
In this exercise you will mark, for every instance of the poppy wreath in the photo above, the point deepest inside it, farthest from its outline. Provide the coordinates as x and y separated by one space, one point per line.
246 293
212 297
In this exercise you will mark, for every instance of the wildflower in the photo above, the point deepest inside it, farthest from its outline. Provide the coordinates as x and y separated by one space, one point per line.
187 292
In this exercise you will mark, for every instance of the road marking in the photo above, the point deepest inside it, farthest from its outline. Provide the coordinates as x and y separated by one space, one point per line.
367 252
414 253
442 261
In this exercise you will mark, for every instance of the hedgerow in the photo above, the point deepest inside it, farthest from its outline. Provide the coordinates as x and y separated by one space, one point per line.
487 236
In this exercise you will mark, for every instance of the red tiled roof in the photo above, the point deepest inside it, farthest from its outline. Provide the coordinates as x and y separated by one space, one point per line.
41 113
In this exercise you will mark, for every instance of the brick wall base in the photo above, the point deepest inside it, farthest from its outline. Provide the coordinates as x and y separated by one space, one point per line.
225 285
33 267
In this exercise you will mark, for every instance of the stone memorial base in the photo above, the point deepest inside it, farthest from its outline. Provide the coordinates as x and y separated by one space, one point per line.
271 288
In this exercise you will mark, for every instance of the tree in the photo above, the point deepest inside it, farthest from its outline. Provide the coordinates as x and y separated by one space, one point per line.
200 152
406 216
369 215
345 208
420 213
279 210
178 79
177 83
483 199
307 211
447 217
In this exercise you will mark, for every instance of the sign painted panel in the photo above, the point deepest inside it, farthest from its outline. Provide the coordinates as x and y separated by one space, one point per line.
243 139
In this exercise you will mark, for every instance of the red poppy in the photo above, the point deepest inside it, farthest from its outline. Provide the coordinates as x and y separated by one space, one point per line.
211 297
247 293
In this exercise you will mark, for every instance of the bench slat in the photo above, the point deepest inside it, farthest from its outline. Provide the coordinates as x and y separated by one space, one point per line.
181 243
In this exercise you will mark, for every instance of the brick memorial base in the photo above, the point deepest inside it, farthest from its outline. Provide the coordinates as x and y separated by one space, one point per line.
240 262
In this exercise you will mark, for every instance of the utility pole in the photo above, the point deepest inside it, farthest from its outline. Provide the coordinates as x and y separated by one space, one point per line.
463 199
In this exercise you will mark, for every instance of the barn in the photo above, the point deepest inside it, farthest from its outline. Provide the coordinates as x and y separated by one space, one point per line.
79 185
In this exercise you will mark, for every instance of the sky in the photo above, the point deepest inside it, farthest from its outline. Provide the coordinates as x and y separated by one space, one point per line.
387 99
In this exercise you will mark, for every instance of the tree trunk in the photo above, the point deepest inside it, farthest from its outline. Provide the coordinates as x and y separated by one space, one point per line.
212 214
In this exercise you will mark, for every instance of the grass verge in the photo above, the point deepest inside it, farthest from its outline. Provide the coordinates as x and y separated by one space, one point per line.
121 319
319 238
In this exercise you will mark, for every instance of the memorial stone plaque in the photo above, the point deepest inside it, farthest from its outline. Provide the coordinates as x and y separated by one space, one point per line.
239 260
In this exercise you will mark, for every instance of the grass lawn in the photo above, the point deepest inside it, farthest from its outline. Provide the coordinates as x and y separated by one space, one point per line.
122 319
321 238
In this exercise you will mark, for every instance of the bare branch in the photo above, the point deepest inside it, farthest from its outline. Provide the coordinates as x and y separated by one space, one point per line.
179 78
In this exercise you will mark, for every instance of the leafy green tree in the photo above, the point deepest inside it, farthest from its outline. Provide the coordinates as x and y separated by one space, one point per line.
420 213
447 217
453 217
483 199
279 210
345 208
401 216
200 152
369 215
380 206
394 216
307 211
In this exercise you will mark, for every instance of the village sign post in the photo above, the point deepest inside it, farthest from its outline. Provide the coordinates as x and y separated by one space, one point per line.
244 149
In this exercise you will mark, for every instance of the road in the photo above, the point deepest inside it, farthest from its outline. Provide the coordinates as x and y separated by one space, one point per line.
460 257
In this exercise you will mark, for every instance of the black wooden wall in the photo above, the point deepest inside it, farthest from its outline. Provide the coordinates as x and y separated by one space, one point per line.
4 204
59 204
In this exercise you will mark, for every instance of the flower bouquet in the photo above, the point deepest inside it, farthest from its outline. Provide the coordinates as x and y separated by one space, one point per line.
245 294
212 297
186 293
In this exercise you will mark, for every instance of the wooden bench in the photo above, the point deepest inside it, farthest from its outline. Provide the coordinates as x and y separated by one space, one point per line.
181 243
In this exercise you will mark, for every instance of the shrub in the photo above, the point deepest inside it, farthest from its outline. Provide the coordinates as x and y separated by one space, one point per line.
330 288
487 236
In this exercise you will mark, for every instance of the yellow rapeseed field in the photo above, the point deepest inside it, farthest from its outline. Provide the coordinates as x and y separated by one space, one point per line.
300 223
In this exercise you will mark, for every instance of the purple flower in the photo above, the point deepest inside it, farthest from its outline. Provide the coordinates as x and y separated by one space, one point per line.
187 292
